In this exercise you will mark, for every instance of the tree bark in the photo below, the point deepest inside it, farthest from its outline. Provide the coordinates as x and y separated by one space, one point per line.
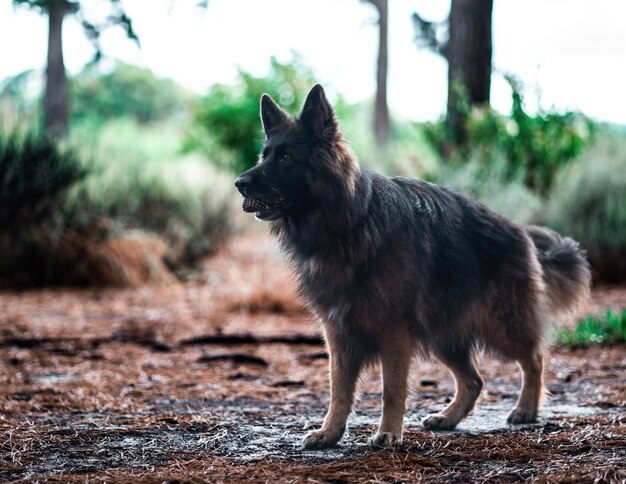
55 96
381 118
382 125
469 52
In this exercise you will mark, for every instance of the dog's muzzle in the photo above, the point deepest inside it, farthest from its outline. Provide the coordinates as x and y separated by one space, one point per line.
251 204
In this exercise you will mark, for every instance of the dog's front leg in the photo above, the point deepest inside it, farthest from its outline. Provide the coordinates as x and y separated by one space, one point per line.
395 358
345 367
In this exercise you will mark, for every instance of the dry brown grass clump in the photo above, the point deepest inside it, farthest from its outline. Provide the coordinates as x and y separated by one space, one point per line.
269 300
131 259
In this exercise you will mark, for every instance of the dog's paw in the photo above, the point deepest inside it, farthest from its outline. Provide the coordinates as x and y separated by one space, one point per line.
321 439
522 416
381 440
438 421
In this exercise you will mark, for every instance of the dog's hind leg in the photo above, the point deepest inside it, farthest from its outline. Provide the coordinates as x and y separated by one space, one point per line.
395 360
345 367
532 387
468 386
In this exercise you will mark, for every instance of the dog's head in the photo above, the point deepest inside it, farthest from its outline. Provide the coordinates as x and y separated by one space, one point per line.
298 153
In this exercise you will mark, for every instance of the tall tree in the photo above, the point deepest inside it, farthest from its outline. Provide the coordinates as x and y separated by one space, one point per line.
55 96
382 124
464 39
55 105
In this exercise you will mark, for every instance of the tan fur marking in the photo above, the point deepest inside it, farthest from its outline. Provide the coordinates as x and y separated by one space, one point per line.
468 385
343 379
395 357
532 390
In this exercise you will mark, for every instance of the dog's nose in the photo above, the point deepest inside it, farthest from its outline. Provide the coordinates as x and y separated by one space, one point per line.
242 183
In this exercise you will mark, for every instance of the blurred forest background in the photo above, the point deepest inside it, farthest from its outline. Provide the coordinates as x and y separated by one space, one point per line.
116 176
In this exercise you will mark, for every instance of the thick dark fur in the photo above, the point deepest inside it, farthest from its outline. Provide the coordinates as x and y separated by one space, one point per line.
565 268
395 267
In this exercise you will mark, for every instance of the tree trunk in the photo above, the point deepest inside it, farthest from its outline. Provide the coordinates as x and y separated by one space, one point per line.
381 117
469 59
55 97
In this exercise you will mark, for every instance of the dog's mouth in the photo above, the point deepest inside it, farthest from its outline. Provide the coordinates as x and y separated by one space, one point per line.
264 208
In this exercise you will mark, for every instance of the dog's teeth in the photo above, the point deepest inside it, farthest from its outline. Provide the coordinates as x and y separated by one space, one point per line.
258 204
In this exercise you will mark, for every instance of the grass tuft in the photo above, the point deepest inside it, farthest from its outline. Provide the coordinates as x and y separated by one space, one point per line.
592 330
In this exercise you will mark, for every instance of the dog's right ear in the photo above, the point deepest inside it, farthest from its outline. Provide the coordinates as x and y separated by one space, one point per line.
272 115
317 114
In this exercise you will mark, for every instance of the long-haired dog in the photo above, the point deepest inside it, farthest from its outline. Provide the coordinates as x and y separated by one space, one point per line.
395 266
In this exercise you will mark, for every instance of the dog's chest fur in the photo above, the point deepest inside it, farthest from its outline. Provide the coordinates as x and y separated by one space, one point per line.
352 289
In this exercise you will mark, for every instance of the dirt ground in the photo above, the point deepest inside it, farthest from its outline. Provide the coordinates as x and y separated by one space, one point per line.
218 380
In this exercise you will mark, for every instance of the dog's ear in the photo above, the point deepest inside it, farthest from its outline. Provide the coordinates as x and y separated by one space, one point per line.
272 115
317 114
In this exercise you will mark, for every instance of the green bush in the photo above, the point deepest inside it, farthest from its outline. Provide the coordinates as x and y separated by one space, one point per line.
141 182
125 91
492 186
535 147
588 202
608 329
226 124
35 175
408 153
35 178
19 108
136 208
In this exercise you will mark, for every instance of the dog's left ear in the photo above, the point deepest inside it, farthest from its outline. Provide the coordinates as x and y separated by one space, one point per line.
272 115
317 114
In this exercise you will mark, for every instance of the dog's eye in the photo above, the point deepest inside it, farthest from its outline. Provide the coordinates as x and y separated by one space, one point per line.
287 157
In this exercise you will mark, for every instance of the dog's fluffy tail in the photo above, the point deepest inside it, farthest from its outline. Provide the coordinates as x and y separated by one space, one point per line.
565 267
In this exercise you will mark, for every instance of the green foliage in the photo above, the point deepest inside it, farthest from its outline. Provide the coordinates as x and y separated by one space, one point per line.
227 126
609 329
35 175
493 187
588 202
125 91
58 213
407 153
140 182
535 147
18 107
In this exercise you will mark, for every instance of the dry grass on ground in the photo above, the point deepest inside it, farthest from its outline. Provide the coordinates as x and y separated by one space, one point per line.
220 378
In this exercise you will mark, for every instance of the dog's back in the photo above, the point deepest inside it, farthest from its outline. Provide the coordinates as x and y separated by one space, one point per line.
484 285
451 271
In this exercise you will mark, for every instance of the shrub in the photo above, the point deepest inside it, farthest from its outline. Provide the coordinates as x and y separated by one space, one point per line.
491 186
608 329
124 91
226 124
408 152
35 175
99 257
535 147
18 105
130 218
588 202
141 183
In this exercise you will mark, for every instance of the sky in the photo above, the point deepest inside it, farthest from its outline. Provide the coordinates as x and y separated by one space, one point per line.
571 54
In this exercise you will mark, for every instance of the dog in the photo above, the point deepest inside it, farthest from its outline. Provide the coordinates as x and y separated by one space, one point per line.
395 267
